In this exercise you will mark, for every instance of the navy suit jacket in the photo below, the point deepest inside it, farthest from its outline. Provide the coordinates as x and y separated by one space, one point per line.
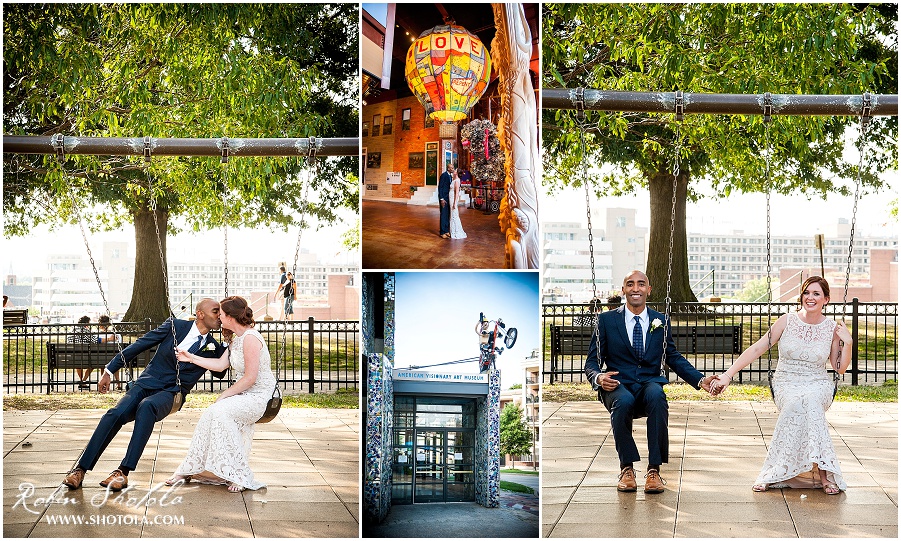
611 350
444 182
160 371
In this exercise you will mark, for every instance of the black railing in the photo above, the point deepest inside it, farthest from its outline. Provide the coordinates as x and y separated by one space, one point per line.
872 324
332 346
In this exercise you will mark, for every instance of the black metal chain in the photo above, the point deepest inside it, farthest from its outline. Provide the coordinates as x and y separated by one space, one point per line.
667 310
159 245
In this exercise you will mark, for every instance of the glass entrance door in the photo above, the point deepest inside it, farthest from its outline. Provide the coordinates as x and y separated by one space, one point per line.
445 466
431 469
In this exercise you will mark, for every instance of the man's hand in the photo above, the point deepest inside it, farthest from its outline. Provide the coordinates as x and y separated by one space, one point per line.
442 202
705 384
103 384
606 382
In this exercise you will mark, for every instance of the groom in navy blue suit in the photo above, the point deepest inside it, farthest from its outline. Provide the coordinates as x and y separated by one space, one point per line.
151 397
624 366
444 182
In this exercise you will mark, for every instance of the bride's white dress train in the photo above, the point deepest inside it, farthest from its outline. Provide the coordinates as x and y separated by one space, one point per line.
801 445
223 437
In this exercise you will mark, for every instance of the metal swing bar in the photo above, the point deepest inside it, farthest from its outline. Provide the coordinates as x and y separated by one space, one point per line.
726 104
162 146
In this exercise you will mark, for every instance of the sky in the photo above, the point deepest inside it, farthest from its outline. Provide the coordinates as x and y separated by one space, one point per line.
436 314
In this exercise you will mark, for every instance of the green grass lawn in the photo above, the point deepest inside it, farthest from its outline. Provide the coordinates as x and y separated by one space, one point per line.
514 470
342 399
516 487
581 392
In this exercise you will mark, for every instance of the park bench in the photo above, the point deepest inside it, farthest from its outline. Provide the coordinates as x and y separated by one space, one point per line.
573 341
15 316
66 356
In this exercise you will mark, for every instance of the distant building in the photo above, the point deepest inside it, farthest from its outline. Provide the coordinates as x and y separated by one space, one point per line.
733 259
618 248
68 289
528 399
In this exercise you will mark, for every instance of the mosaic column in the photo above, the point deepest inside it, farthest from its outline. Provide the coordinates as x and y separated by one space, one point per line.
379 407
488 443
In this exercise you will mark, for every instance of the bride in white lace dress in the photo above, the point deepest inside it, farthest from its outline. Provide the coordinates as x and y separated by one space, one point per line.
801 454
220 448
456 226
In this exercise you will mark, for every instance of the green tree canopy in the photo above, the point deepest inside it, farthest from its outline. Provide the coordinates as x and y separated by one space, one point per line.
177 70
715 48
516 439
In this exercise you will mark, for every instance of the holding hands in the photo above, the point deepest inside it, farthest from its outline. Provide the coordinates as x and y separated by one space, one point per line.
719 384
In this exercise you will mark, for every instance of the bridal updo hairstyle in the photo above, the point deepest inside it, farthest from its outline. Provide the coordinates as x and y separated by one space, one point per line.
824 285
237 308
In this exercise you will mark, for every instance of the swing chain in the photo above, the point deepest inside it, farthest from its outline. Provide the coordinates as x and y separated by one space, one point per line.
147 148
667 310
224 148
59 147
767 108
579 102
769 277
594 288
311 151
680 105
159 245
225 227
865 119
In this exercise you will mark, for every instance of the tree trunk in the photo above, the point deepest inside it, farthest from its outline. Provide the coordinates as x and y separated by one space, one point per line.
661 188
148 296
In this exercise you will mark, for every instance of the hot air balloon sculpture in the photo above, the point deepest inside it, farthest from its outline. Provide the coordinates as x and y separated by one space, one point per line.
448 69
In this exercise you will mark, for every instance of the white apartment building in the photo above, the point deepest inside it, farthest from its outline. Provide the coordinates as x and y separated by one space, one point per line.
733 259
193 281
69 289
618 248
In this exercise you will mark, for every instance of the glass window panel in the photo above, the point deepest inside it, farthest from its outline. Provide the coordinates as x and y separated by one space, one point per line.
401 493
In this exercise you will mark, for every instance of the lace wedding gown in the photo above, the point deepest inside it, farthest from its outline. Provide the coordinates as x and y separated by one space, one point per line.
801 445
222 439
456 226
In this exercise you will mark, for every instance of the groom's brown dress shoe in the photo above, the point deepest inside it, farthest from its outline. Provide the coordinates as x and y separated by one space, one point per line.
653 484
74 478
627 481
116 481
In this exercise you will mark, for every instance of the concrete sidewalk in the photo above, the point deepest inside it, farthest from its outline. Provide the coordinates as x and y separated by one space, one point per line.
309 458
517 517
716 451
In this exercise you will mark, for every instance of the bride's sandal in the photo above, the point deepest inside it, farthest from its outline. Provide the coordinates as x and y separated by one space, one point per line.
176 478
831 489
763 487
235 488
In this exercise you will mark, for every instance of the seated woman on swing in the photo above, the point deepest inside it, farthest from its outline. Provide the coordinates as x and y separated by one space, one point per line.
220 448
801 454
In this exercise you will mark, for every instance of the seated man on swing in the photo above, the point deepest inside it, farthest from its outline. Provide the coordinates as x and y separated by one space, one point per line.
624 367
150 398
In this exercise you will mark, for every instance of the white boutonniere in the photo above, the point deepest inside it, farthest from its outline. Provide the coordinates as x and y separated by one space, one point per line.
656 324
209 347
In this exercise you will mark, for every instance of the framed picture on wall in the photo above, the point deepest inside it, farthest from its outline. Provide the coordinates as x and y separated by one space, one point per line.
417 160
374 160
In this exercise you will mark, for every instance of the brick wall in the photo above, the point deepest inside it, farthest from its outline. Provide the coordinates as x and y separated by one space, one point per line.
406 142
384 144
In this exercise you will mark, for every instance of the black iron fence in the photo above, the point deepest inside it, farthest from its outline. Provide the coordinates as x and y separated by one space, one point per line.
712 335
307 356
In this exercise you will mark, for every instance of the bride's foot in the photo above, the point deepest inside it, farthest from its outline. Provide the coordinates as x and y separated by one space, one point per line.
235 488
176 478
831 489
761 487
